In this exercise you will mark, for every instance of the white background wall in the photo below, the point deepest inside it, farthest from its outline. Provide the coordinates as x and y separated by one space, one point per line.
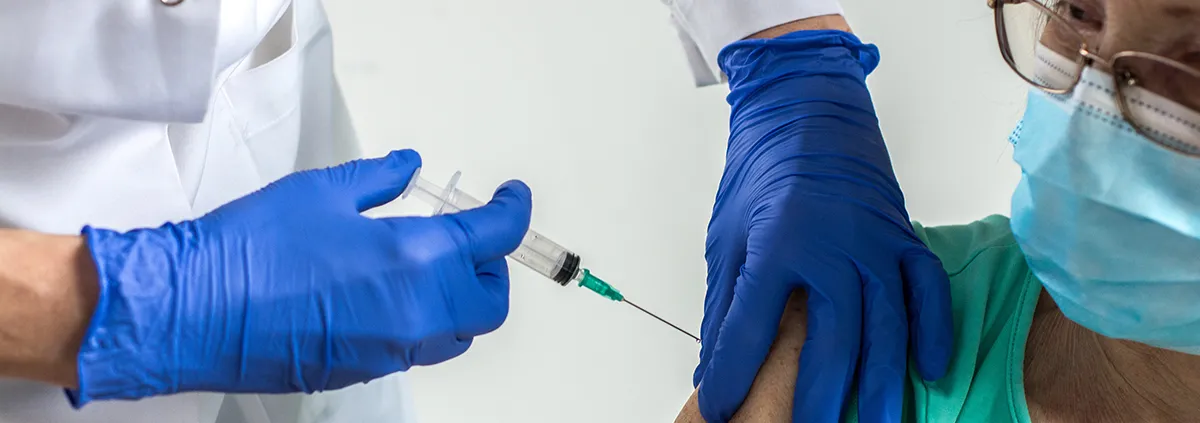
592 105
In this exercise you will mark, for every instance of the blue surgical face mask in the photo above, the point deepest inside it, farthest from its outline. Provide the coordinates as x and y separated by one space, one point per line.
1109 220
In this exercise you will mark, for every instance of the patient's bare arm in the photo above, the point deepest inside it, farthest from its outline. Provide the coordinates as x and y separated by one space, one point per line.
770 397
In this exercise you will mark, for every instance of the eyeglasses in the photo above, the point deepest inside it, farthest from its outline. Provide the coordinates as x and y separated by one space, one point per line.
1049 43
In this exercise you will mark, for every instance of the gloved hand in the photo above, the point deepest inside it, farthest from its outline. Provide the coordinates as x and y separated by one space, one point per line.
809 201
290 289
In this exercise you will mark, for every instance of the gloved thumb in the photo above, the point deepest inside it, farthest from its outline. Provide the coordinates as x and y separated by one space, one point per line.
496 229
931 323
374 182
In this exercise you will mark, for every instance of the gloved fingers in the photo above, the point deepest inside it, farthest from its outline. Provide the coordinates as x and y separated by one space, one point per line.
831 350
496 229
723 269
374 182
744 341
483 308
885 347
927 295
437 350
716 307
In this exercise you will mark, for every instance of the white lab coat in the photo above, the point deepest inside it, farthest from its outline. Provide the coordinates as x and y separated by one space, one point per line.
127 114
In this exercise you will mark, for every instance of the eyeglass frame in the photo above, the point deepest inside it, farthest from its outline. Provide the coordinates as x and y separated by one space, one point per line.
1086 58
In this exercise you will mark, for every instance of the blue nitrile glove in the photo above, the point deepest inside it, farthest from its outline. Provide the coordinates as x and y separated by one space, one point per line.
290 289
809 201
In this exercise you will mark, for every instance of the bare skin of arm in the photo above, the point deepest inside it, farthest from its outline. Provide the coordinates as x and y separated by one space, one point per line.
837 22
48 290
770 397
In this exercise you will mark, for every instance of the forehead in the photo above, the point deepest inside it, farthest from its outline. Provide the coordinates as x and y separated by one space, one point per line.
1173 9
1160 26
1183 9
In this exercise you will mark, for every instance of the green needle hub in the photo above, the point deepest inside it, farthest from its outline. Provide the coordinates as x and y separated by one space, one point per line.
600 287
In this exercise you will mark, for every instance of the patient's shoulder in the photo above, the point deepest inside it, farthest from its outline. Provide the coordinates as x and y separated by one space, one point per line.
994 296
986 242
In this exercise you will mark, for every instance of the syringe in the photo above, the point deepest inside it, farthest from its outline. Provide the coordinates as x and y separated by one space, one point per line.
536 251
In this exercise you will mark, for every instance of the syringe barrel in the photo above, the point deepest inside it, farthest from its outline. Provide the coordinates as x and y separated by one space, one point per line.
536 251
548 258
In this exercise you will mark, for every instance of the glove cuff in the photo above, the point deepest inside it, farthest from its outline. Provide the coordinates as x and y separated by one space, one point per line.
707 26
127 339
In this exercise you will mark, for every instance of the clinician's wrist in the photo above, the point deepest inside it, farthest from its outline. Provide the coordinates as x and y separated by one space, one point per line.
80 299
830 22
48 294
708 26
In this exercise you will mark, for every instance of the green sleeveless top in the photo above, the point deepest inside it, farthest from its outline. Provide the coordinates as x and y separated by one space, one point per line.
994 296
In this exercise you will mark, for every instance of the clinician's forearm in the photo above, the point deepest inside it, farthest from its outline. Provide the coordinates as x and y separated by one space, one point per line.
837 22
48 291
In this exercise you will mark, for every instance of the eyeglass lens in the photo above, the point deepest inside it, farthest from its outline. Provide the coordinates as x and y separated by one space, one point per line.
1044 39
1032 34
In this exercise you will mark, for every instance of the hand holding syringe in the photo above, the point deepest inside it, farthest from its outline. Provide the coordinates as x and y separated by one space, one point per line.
536 251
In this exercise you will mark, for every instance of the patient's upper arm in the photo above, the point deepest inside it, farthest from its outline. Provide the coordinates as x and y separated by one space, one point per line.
771 395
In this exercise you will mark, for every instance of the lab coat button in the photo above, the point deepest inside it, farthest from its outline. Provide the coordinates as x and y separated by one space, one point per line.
170 2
